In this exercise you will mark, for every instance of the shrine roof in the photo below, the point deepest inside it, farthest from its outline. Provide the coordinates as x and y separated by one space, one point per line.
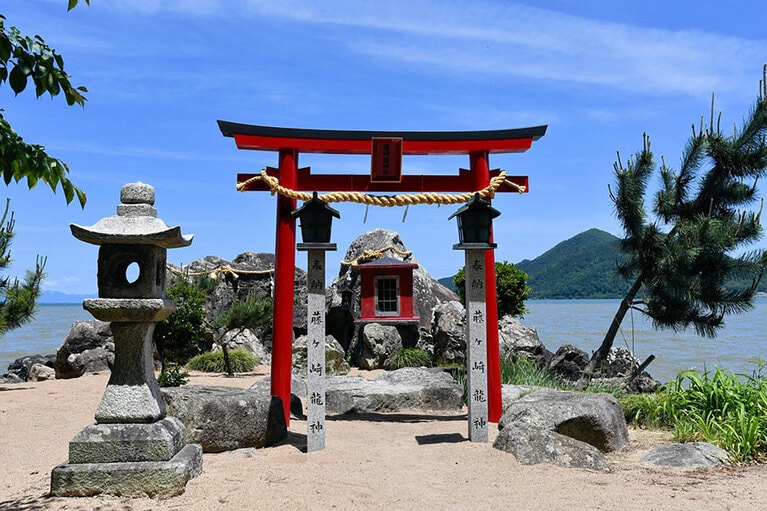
384 262
270 138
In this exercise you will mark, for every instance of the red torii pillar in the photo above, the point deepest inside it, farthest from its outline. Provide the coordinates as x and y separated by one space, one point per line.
288 142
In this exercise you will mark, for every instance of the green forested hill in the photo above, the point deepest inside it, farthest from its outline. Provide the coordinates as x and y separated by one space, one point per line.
582 267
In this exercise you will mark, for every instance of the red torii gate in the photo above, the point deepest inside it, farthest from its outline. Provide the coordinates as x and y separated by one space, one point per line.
289 142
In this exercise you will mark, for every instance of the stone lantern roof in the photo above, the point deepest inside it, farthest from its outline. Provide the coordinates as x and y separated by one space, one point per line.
136 222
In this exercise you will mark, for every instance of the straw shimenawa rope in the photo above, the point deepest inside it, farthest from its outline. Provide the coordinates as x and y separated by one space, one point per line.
383 200
224 269
369 255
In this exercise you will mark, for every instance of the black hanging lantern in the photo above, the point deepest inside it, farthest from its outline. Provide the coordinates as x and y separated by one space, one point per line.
316 220
475 224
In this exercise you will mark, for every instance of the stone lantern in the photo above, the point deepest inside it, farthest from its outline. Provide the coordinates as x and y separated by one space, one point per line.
133 448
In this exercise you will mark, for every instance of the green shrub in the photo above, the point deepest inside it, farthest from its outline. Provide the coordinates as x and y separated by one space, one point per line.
173 377
410 357
213 362
510 285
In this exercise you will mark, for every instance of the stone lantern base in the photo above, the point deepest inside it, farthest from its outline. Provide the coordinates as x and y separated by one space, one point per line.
128 460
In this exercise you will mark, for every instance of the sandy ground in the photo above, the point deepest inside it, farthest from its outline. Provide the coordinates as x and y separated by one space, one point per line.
392 462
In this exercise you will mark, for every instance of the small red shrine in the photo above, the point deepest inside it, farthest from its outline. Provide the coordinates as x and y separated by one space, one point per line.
386 291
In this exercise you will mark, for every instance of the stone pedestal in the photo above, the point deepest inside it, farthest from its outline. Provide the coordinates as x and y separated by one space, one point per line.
133 449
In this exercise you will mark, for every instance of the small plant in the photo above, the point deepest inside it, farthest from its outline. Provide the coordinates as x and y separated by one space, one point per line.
213 362
523 371
173 377
410 357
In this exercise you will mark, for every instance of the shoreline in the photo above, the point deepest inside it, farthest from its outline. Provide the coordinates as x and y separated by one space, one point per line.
392 462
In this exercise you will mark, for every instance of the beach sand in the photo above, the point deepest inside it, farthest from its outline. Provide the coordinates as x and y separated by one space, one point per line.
392 462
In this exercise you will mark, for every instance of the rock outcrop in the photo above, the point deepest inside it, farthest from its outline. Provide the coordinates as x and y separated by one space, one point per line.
89 348
335 362
21 368
226 418
564 428
403 390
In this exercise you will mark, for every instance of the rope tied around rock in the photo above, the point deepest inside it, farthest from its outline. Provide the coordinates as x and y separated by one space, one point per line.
218 271
370 255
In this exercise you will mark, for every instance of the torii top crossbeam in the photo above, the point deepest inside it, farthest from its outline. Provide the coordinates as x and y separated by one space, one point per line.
386 149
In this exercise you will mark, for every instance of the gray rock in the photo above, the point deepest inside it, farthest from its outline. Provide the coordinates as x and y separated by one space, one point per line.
569 362
619 362
40 372
510 393
225 418
688 455
531 446
247 340
89 347
10 379
379 344
596 419
404 390
22 366
515 339
448 332
335 362
297 391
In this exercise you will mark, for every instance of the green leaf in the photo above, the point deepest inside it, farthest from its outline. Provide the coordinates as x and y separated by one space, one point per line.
17 79
81 197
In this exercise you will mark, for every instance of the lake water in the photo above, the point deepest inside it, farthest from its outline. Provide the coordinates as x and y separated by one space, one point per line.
579 322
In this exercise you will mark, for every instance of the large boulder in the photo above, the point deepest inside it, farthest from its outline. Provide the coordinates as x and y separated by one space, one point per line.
88 348
516 340
531 446
596 419
247 340
226 418
448 332
379 344
404 390
335 362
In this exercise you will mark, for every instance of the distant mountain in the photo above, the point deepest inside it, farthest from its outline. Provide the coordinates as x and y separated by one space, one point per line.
447 282
51 297
584 266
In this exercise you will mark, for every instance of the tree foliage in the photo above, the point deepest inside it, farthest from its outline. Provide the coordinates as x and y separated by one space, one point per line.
18 298
685 252
511 288
24 59
177 338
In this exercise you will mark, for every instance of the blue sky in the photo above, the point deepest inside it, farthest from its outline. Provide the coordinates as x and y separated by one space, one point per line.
160 73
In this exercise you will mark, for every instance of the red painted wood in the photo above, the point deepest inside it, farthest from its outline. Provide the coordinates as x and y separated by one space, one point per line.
284 270
409 147
481 173
368 273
